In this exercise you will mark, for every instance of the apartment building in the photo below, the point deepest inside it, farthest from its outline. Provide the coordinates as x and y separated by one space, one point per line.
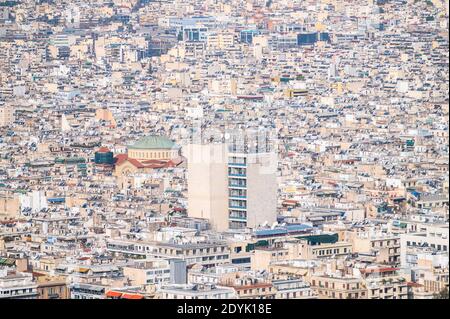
49 287
384 283
338 287
196 291
251 288
386 247
433 236
205 254
87 291
17 285
293 289
233 190
148 272
6 115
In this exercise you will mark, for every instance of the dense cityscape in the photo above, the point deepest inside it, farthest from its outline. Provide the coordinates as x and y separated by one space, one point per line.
224 149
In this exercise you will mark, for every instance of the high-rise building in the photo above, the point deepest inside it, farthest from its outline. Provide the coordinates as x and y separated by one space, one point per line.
232 188
6 115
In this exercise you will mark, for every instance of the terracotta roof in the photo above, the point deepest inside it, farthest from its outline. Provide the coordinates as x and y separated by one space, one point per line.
114 294
120 158
132 296
103 150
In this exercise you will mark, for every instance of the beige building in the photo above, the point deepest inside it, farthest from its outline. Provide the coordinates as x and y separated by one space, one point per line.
153 148
207 184
6 115
303 250
232 190
52 287
387 248
264 257
146 154
329 287
9 206
384 283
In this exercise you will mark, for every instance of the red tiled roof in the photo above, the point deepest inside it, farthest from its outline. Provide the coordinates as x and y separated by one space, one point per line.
103 150
114 294
121 158
83 258
132 296
135 163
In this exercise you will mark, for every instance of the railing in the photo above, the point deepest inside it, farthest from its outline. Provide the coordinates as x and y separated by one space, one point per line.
237 185
237 164
238 218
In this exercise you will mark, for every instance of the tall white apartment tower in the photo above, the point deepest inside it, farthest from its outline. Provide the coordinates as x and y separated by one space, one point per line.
233 189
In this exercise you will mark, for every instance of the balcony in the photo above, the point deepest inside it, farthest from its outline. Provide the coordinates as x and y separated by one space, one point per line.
237 164
237 175
238 218
238 207
238 197
237 185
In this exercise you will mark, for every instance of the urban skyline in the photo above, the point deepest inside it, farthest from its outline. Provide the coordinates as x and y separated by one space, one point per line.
224 149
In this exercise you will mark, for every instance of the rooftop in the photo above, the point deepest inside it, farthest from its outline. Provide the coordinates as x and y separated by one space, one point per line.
153 142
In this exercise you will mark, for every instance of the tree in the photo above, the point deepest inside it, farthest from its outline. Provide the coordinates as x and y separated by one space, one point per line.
443 294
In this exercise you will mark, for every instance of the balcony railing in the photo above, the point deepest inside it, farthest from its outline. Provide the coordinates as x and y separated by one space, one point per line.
237 207
237 164
237 175
237 185
238 218
238 196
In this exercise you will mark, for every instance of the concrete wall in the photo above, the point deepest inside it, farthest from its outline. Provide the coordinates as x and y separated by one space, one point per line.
208 184
261 190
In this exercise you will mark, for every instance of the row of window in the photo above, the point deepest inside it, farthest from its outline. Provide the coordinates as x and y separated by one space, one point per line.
151 155
438 247
16 292
335 286
324 252
158 272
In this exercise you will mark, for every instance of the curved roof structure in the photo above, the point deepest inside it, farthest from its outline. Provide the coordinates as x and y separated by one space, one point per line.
153 142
